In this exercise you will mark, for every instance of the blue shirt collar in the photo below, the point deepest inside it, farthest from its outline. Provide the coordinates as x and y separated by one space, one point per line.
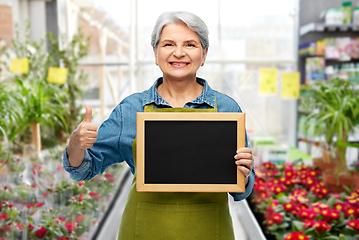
207 95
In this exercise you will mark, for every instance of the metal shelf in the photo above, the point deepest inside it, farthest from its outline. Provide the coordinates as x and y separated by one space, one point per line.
321 27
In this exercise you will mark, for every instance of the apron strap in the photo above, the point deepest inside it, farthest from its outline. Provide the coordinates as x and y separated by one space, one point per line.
149 108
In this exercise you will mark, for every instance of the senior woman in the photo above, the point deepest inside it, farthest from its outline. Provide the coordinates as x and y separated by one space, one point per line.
180 45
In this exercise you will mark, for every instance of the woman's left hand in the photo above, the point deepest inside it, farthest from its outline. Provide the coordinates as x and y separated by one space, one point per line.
244 161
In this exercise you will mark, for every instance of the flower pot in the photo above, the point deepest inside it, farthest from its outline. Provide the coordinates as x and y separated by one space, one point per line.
336 182
317 162
323 165
328 156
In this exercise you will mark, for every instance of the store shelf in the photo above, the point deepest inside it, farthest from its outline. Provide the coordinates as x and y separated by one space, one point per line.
321 27
352 138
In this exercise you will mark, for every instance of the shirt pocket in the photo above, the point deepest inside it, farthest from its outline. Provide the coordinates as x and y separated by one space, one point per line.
175 222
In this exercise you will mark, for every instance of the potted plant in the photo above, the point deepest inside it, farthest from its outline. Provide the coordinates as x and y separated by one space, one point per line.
41 102
70 57
337 109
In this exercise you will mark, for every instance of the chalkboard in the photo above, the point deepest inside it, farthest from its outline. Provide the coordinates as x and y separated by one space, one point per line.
189 152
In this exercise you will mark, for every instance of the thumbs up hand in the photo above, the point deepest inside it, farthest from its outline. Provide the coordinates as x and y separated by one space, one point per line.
85 134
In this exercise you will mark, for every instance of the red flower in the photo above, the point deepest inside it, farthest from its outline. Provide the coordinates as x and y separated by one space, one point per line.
70 226
81 183
290 207
31 227
352 201
79 218
276 218
290 173
269 165
3 216
261 196
272 173
29 205
296 236
351 211
269 212
19 226
309 223
312 173
5 188
340 206
322 226
81 197
62 219
94 195
6 228
10 205
307 214
309 182
41 232
259 180
261 187
318 207
274 203
298 199
110 177
45 193
38 204
299 192
288 181
329 215
354 224
334 214
319 190
278 189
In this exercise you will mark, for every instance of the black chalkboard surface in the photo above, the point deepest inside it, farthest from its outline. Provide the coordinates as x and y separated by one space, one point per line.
189 152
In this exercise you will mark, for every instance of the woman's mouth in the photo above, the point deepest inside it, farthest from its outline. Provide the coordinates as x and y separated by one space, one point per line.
179 64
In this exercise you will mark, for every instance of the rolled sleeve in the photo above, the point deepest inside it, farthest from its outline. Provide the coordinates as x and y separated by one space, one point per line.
249 187
78 173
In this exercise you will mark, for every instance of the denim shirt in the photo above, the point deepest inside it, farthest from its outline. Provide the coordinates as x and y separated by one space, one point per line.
116 134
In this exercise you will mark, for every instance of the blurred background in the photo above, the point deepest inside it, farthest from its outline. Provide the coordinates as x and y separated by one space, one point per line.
292 66
244 37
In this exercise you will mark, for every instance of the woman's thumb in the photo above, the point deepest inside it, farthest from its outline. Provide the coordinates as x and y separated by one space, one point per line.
88 113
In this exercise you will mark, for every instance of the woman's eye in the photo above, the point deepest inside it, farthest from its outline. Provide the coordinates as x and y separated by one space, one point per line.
190 45
168 44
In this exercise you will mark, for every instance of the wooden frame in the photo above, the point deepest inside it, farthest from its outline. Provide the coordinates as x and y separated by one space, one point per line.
144 118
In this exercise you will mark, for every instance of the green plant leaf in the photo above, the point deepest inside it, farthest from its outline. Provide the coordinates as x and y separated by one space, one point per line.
298 226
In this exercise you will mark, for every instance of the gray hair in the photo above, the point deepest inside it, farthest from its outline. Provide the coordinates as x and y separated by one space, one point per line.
194 22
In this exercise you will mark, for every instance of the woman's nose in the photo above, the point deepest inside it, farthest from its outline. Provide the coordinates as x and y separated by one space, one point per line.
178 52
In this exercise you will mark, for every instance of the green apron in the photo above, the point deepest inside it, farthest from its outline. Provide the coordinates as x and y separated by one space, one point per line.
171 215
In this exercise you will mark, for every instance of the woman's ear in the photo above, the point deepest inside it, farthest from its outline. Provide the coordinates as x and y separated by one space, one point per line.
155 53
204 55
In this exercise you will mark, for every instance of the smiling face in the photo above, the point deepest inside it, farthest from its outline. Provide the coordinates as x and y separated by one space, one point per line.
179 53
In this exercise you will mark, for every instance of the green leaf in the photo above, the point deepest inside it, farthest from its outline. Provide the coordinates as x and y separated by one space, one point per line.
58 233
283 225
342 237
331 201
347 189
298 226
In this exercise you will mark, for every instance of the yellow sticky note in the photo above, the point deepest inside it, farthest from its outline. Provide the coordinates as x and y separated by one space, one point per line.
268 78
290 85
19 65
57 75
